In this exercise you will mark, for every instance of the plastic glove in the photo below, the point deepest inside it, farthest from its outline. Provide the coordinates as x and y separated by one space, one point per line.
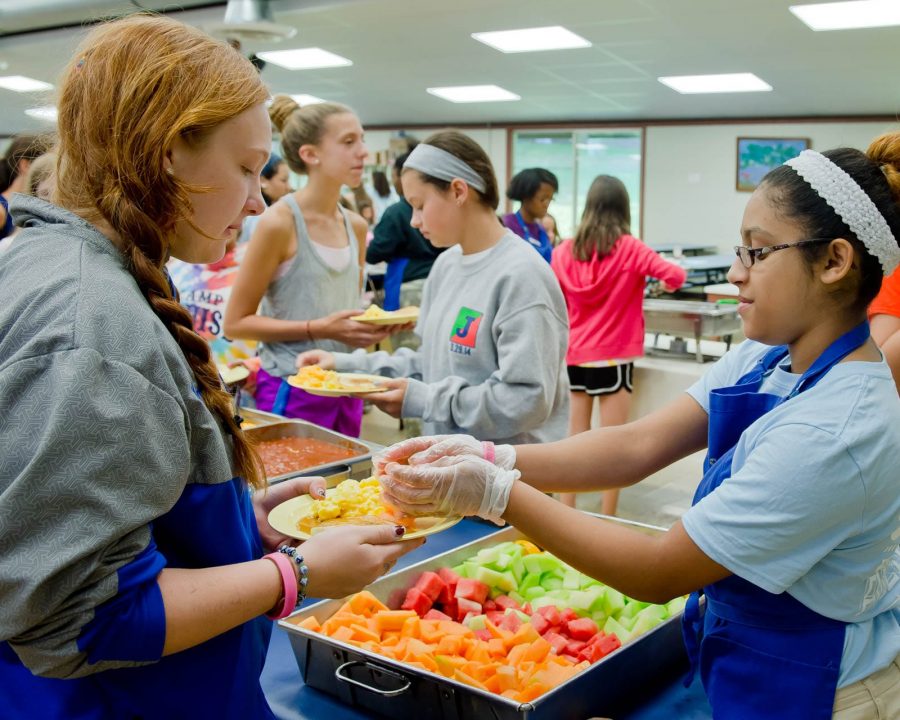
452 485
427 449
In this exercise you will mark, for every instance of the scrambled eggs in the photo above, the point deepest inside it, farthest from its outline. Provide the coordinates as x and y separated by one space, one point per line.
351 499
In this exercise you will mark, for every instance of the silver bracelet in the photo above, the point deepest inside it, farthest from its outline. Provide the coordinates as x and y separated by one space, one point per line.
302 571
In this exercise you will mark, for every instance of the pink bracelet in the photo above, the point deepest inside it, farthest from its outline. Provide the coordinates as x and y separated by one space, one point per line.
289 577
489 453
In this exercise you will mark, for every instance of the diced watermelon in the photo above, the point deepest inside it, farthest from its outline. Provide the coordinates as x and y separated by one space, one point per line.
511 622
450 608
483 634
469 589
526 608
430 584
591 653
608 643
574 647
582 629
450 579
416 600
504 602
448 576
568 614
436 615
490 606
495 616
551 614
557 642
466 607
540 622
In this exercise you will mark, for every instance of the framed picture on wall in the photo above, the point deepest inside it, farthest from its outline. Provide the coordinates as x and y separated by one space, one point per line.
756 156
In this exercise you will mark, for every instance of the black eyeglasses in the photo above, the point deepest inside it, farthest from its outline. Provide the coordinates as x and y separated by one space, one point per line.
750 255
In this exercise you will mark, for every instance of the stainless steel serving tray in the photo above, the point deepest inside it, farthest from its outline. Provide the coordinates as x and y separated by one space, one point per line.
259 418
687 317
373 683
356 467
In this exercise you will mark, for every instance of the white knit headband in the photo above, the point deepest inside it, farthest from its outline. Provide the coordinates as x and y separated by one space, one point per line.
851 203
442 165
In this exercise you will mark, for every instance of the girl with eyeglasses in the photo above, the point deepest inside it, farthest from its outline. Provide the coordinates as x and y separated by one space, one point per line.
793 535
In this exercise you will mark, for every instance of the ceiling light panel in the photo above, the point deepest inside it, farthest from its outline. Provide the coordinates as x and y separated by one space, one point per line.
727 83
304 59
304 100
20 83
474 93
538 39
48 113
849 15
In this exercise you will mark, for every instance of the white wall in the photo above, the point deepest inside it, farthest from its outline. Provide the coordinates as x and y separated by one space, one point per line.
690 170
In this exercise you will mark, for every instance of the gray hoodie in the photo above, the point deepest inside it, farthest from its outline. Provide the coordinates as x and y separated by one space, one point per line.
494 335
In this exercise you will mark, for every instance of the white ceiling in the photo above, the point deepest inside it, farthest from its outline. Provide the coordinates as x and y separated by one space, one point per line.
400 47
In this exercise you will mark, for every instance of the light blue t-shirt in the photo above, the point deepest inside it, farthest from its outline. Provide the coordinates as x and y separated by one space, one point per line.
812 506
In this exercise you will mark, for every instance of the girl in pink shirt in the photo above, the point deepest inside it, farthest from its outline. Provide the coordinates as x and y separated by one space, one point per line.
602 272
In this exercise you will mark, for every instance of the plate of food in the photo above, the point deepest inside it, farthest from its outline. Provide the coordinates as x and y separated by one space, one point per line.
328 383
351 502
231 375
377 316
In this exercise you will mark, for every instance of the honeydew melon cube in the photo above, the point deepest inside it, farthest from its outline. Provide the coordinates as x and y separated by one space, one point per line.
551 582
676 605
540 602
487 556
599 603
561 595
580 601
614 601
541 563
517 567
460 570
535 591
598 617
612 626
530 580
523 616
476 622
627 622
647 619
501 580
571 580
630 610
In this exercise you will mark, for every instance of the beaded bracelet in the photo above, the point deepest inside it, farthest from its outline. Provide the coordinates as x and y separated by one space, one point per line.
302 570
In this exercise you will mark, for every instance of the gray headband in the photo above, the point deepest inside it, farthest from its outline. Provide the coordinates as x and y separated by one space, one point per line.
442 165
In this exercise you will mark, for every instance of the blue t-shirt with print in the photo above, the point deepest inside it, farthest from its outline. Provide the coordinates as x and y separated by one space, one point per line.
812 506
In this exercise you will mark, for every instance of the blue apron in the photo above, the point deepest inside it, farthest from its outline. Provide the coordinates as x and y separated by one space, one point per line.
761 655
541 243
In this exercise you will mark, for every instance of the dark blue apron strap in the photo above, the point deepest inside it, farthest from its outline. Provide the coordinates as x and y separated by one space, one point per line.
692 630
281 398
834 353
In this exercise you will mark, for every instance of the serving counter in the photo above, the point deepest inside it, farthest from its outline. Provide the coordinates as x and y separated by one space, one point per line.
291 699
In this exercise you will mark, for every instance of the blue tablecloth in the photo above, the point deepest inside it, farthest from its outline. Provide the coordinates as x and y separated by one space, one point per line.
292 700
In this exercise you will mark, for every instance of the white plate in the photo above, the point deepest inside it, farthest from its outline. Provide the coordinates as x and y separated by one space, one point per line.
394 317
352 384
286 518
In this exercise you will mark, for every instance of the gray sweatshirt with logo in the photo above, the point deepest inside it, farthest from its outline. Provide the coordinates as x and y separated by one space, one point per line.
494 334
